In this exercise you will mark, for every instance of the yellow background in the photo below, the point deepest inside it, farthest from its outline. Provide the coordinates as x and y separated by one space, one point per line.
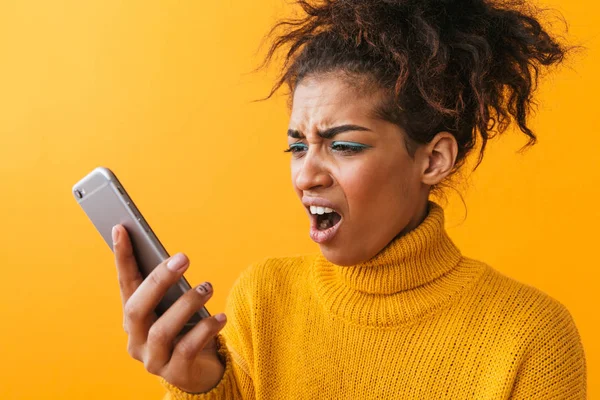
159 92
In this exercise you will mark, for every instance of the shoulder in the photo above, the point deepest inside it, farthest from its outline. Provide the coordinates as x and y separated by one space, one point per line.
535 312
541 330
277 266
273 273
518 292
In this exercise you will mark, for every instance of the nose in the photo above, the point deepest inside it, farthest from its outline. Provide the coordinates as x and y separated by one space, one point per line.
313 172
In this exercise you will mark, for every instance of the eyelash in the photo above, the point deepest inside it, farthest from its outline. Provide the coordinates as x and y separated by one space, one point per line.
343 148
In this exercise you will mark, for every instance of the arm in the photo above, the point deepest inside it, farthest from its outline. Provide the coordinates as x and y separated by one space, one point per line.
555 367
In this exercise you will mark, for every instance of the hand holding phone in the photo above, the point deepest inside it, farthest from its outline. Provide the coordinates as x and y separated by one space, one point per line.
106 202
169 328
188 361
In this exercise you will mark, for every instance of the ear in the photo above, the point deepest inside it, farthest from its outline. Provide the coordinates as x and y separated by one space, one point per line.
440 156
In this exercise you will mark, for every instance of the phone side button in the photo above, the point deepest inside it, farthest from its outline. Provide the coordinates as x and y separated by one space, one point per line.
142 224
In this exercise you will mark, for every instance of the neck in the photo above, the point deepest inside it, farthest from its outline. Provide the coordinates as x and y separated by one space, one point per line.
411 259
406 268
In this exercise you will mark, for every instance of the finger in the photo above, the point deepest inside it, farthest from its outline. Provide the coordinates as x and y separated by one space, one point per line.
193 342
139 309
129 275
162 334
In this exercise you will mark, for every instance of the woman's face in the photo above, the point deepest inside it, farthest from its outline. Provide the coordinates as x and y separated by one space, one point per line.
364 172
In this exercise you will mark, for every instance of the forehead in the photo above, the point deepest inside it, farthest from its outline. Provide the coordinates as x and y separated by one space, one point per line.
328 100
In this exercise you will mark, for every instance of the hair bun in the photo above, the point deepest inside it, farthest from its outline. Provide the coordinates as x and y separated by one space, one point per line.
469 67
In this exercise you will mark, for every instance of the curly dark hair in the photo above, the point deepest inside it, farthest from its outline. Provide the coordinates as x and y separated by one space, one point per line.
468 67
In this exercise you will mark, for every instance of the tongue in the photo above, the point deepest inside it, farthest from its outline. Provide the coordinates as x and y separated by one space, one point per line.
328 220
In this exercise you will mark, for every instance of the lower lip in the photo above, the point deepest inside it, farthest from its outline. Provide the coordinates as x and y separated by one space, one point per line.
322 236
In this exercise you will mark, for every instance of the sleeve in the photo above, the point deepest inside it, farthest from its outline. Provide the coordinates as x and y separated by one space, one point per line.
234 348
555 367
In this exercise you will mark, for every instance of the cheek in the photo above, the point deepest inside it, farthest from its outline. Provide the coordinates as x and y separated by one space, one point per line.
376 188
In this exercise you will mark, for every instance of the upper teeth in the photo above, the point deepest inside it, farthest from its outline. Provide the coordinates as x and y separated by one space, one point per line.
320 210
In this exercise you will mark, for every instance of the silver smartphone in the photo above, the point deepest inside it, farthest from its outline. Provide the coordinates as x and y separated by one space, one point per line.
106 203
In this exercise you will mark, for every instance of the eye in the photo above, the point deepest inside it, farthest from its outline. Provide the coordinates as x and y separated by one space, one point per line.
296 148
348 147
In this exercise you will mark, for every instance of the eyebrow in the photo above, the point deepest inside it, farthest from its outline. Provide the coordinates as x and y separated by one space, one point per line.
328 133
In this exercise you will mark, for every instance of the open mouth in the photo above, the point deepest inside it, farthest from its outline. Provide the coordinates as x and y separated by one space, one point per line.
324 227
327 220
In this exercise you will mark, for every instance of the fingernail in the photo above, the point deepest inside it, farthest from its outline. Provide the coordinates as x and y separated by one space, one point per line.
204 288
115 234
221 317
177 262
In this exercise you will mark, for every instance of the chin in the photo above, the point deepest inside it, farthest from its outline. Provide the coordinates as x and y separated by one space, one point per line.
339 257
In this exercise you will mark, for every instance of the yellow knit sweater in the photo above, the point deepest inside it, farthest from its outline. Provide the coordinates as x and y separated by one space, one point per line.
417 321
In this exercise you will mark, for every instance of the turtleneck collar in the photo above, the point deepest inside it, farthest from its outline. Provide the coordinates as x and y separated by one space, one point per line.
413 274
408 261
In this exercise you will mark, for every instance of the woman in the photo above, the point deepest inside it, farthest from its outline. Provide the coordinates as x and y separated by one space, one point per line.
388 99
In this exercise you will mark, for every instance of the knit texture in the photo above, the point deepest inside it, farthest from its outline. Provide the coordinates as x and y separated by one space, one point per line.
419 320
